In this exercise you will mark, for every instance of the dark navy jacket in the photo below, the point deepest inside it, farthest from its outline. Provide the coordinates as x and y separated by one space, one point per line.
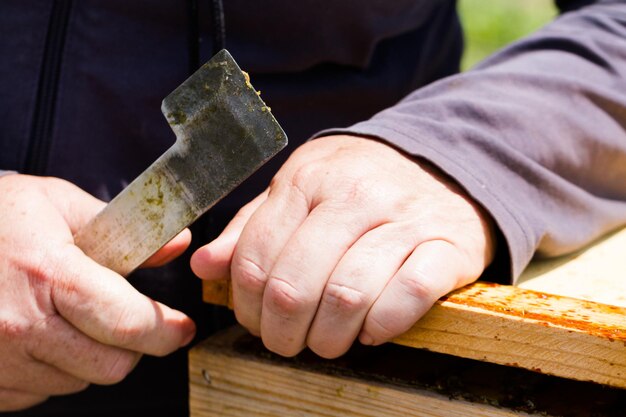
536 134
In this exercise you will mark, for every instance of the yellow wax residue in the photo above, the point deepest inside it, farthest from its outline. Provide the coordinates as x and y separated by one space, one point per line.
247 77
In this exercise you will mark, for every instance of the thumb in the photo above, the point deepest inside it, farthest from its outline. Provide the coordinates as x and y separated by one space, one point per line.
106 307
78 208
212 261
75 205
170 251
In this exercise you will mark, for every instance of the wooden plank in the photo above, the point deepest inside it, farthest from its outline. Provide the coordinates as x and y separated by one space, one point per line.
217 292
231 375
597 273
227 383
552 334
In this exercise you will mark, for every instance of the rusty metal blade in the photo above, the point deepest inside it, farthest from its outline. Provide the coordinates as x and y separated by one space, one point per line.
224 133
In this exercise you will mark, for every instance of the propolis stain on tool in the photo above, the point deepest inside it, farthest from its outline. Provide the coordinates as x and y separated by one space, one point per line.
211 118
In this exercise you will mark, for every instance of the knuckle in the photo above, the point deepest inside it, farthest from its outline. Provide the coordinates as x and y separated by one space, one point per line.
244 214
14 401
12 330
280 182
44 267
415 285
50 272
304 174
355 191
345 299
328 351
284 299
128 330
382 331
118 367
283 349
248 275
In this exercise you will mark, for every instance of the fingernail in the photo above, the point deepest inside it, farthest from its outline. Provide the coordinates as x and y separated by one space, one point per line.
189 337
366 339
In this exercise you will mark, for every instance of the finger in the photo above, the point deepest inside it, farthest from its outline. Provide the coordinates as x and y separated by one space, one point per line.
39 378
81 359
103 305
75 205
354 285
172 250
212 261
297 280
12 400
261 241
433 269
78 207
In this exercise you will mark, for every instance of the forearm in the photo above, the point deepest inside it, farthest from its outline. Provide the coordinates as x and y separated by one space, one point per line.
536 133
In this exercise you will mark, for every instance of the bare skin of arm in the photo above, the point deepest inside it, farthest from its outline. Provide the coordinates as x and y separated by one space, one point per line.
352 240
65 321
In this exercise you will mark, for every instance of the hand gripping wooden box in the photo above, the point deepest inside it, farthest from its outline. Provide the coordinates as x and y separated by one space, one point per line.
554 345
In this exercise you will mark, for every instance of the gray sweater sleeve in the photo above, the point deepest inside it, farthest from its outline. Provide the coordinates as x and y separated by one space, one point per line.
536 133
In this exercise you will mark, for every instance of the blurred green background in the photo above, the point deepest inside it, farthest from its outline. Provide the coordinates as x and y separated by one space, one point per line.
491 24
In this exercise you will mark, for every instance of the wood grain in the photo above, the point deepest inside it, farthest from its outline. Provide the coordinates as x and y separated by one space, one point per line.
232 375
226 382
596 273
548 333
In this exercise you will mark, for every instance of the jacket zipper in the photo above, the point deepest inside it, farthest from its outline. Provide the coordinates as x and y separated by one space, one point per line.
43 118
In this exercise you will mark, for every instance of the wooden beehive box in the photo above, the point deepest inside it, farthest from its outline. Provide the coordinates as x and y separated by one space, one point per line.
555 345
